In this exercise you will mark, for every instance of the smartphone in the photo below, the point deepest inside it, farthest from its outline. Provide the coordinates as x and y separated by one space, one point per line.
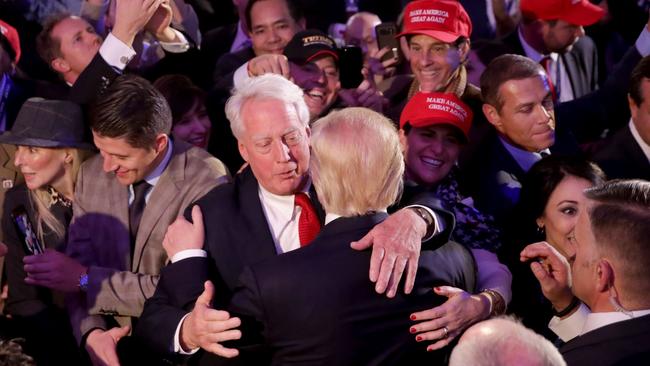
26 232
386 33
350 65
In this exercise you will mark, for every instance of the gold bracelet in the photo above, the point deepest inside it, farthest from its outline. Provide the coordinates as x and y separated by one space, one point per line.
497 303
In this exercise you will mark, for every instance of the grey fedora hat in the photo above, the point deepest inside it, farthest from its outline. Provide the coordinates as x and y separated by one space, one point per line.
48 123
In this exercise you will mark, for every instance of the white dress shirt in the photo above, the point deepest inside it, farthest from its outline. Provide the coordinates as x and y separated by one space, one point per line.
584 321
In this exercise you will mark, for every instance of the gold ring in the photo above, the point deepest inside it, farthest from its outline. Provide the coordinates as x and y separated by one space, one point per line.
446 332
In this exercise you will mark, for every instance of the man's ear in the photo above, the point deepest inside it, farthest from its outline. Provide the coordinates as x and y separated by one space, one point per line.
492 115
161 142
242 151
463 50
604 275
60 65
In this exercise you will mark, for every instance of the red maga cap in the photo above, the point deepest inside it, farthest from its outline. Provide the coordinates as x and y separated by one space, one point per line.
9 36
445 20
427 109
578 12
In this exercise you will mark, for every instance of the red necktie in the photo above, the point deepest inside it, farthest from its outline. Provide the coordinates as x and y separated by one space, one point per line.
546 64
308 223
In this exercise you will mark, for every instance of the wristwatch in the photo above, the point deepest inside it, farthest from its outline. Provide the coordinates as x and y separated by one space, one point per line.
83 282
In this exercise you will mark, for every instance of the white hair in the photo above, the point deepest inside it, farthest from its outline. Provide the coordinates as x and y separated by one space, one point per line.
504 341
267 86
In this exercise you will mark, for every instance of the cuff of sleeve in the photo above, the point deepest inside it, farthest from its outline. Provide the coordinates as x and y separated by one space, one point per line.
571 326
492 274
437 223
189 253
115 52
176 47
643 42
177 340
240 75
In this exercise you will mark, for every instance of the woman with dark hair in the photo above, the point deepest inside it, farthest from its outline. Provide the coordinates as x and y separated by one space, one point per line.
547 210
190 120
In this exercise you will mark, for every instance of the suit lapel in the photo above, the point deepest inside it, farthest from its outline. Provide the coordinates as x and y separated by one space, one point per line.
571 68
119 201
165 191
262 245
634 153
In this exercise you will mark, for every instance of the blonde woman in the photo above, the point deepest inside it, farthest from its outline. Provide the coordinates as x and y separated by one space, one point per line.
49 150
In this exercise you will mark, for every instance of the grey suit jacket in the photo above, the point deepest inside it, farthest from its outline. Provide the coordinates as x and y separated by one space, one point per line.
99 235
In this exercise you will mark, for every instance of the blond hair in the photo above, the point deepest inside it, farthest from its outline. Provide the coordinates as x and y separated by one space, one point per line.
42 200
356 163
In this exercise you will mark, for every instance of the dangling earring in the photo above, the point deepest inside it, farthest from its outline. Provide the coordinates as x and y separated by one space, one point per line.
541 231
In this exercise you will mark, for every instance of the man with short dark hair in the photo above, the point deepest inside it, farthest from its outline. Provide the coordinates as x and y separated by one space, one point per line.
552 34
608 272
124 201
626 154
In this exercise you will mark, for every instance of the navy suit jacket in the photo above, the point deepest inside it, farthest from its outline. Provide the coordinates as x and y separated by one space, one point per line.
625 343
621 157
315 305
237 235
494 177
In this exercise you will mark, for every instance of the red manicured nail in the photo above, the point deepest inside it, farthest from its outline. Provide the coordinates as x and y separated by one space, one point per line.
429 349
413 317
412 330
418 338
437 288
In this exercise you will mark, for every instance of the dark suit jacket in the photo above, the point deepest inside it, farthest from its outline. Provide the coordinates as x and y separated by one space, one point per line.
237 235
93 81
493 176
216 43
621 157
37 311
626 343
581 62
315 306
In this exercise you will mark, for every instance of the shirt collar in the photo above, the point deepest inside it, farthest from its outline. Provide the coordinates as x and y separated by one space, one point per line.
525 159
153 177
532 53
599 320
644 146
283 206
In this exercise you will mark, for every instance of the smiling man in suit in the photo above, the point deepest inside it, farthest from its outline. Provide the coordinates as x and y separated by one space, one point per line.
125 199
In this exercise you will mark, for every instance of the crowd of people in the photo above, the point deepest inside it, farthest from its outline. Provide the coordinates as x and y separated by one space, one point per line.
272 182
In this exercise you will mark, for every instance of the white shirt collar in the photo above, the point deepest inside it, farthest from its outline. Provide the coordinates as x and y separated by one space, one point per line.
525 159
644 146
599 320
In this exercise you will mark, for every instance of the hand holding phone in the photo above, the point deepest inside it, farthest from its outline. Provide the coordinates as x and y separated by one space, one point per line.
26 232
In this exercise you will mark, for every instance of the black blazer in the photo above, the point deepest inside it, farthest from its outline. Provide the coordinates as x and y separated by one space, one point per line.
315 305
581 62
237 235
621 157
626 343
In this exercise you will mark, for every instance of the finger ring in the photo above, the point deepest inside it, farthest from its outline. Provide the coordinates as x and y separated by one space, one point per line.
446 332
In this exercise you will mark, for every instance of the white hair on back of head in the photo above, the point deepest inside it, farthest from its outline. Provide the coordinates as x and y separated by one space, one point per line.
504 341
267 86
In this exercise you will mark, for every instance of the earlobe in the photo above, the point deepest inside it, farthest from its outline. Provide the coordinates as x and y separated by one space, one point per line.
60 65
243 152
605 275
492 115
402 141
